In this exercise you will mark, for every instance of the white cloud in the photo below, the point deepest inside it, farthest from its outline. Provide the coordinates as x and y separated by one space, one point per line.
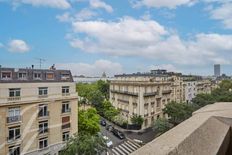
171 4
18 46
84 14
100 4
97 68
60 4
149 39
223 13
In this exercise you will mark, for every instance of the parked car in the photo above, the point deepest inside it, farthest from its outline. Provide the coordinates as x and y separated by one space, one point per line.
118 134
109 143
103 122
109 127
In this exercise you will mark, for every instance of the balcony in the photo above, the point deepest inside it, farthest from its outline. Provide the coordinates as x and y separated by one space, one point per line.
150 94
124 101
146 115
124 92
13 139
13 119
43 96
43 114
16 98
166 92
65 94
66 126
66 110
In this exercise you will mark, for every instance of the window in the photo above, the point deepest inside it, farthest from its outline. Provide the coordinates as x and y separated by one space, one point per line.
43 110
13 115
6 75
65 122
14 133
15 150
37 76
43 143
43 127
14 92
158 103
43 91
65 136
22 76
65 107
65 76
65 89
50 76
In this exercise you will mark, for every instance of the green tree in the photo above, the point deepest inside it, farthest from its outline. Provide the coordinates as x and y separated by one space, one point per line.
137 120
108 110
95 97
104 88
88 121
161 125
203 99
85 144
178 112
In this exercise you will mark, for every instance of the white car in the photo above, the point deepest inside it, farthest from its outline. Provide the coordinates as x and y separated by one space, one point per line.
109 143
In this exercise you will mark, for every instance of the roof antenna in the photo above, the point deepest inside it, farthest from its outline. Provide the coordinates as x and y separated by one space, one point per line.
40 61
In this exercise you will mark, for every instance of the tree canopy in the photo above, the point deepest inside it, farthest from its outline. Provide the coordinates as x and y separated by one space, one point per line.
161 125
178 112
137 120
88 121
85 144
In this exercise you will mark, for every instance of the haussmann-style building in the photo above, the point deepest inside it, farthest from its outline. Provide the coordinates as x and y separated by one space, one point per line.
38 111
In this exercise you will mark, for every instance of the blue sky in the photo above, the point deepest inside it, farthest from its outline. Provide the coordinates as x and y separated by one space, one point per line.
120 36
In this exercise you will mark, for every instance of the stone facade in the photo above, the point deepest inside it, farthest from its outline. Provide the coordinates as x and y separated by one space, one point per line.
145 94
36 117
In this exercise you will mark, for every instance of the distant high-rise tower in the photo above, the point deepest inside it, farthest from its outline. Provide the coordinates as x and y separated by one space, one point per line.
217 70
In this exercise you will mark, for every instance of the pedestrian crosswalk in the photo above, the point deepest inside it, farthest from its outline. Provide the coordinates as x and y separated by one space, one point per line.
125 148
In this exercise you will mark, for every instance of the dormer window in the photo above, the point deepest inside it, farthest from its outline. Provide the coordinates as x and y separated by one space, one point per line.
37 76
6 75
50 76
22 76
65 76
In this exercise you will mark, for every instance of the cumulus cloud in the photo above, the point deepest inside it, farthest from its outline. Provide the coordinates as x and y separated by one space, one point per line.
149 39
171 4
100 4
60 4
223 13
97 68
18 46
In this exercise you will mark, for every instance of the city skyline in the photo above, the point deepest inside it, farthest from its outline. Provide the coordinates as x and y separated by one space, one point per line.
93 36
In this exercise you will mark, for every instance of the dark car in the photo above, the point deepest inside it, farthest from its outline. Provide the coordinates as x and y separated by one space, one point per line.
109 127
103 122
118 134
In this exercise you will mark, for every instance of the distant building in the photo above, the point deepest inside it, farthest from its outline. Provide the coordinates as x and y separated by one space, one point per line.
145 94
217 70
38 110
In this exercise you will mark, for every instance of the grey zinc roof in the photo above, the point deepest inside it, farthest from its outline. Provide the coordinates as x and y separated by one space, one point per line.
30 75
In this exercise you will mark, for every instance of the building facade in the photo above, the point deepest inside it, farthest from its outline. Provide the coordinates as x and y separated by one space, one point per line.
144 94
38 111
217 70
190 90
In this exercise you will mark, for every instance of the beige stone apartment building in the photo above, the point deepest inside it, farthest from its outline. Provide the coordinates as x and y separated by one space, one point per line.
145 94
38 111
